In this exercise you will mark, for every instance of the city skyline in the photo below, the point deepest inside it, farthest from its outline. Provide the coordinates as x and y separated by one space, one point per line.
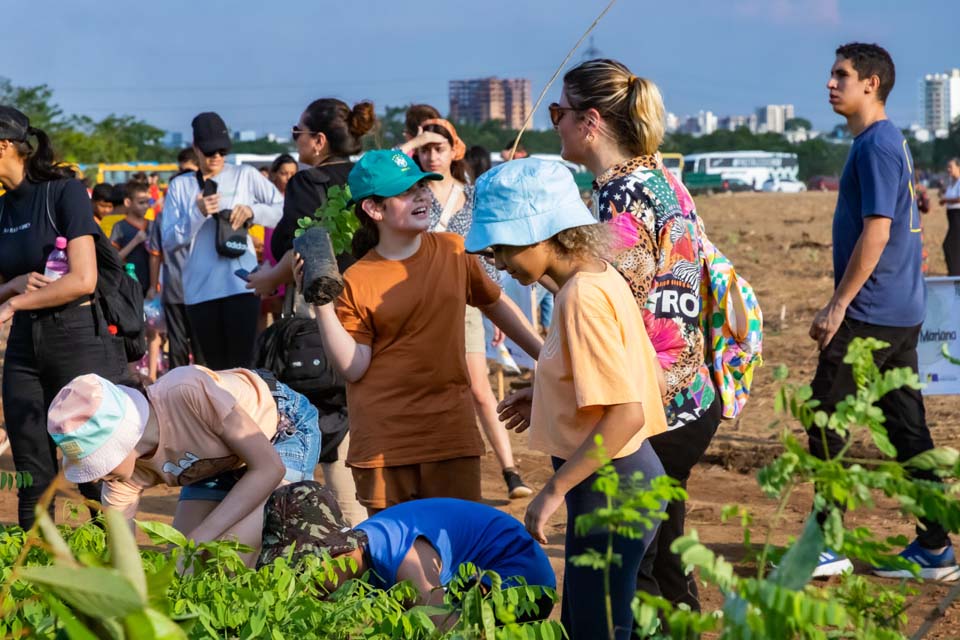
728 59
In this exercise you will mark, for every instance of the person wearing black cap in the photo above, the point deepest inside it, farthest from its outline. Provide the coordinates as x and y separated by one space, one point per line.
57 333
221 311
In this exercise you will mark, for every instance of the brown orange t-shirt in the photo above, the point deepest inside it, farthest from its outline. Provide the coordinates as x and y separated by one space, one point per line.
597 354
193 405
413 404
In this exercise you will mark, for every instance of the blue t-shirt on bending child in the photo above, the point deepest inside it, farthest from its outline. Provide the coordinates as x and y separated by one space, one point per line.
877 180
460 531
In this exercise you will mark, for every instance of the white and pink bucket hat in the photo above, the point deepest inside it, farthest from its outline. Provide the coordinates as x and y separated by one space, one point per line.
96 424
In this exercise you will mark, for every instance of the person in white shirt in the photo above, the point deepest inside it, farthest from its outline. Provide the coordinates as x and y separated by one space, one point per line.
222 312
951 198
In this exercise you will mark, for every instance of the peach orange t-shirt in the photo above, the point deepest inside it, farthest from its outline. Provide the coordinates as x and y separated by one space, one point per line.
193 406
413 404
597 353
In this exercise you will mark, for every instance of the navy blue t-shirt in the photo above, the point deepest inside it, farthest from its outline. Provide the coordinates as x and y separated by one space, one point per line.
460 531
877 180
28 233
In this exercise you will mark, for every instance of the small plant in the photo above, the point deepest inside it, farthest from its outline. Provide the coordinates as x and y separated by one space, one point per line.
784 602
336 217
91 582
15 480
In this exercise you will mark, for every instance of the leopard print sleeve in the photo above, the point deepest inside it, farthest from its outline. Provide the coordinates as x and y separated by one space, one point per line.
631 218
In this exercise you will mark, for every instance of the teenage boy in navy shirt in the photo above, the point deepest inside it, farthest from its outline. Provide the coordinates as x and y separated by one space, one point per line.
879 288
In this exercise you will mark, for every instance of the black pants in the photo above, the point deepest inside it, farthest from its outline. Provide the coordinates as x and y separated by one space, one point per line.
178 333
661 572
951 243
583 609
225 330
905 416
45 351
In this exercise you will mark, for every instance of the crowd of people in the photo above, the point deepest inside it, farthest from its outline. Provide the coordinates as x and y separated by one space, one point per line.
440 231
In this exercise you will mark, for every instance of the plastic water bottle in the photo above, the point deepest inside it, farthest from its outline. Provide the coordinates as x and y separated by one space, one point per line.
57 263
131 270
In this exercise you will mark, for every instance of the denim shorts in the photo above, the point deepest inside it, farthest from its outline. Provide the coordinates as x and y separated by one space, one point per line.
297 441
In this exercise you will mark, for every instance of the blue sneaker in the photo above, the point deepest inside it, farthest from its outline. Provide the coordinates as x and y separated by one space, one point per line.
942 566
832 564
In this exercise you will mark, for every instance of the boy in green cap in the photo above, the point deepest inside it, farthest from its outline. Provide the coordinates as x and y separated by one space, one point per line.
397 333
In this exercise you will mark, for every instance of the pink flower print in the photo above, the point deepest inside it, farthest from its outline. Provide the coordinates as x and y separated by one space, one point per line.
625 230
666 337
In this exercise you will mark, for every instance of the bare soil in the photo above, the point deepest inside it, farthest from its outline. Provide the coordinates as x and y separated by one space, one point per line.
781 244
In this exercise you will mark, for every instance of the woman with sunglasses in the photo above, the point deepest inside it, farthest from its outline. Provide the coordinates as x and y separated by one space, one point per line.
327 134
222 312
613 122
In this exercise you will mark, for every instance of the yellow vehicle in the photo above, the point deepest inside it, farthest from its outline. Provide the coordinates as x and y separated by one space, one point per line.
118 173
673 162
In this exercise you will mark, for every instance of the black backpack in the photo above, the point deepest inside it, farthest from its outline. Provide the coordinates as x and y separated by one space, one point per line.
121 300
292 349
119 296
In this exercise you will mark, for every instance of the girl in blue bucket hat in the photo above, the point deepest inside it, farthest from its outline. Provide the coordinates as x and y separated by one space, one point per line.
597 374
396 333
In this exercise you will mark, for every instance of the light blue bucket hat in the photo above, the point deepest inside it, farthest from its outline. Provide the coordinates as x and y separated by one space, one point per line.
523 202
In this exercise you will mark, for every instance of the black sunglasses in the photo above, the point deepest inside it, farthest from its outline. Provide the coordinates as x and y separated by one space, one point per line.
217 152
556 112
296 131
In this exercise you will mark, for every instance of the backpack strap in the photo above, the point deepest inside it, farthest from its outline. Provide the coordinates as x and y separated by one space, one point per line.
47 204
448 211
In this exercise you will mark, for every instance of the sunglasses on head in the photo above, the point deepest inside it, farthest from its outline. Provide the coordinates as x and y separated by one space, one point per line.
296 131
556 112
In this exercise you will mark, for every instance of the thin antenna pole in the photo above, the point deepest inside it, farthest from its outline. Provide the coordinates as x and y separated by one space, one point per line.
543 94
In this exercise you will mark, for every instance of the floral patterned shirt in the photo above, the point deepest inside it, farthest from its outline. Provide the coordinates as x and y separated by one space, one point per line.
657 250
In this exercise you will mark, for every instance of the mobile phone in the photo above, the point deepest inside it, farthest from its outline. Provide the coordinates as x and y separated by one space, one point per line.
243 274
209 188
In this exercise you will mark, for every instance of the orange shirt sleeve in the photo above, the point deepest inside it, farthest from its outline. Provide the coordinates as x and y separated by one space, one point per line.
598 355
481 290
354 314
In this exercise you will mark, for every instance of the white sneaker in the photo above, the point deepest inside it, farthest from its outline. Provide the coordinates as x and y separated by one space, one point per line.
832 564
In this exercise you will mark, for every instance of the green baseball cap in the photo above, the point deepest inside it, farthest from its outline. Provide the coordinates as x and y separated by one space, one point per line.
385 173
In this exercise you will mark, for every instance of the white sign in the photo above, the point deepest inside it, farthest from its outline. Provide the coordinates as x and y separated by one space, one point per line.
942 327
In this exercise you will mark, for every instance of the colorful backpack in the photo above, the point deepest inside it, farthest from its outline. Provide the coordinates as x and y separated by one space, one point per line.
732 325
730 317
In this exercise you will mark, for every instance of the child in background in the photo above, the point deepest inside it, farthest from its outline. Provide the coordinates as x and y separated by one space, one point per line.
229 438
597 373
397 335
102 199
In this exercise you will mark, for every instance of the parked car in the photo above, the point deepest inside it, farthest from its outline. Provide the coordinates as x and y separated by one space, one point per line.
784 185
824 183
736 184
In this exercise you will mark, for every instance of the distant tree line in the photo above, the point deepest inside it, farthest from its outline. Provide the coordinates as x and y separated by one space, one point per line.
82 139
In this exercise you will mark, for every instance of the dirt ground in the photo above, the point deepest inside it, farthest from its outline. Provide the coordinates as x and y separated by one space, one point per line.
781 244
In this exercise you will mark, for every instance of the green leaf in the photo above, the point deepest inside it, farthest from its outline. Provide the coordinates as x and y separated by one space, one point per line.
75 629
61 551
124 554
940 457
160 533
95 591
150 624
797 565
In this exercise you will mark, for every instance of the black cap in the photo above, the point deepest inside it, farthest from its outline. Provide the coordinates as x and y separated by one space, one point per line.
210 132
13 124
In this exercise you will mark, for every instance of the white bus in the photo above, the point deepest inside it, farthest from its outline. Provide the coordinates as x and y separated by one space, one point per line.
753 167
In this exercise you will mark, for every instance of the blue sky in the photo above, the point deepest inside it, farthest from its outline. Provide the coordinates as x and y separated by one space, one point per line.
260 63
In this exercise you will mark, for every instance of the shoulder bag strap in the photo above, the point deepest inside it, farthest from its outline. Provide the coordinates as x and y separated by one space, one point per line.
448 211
